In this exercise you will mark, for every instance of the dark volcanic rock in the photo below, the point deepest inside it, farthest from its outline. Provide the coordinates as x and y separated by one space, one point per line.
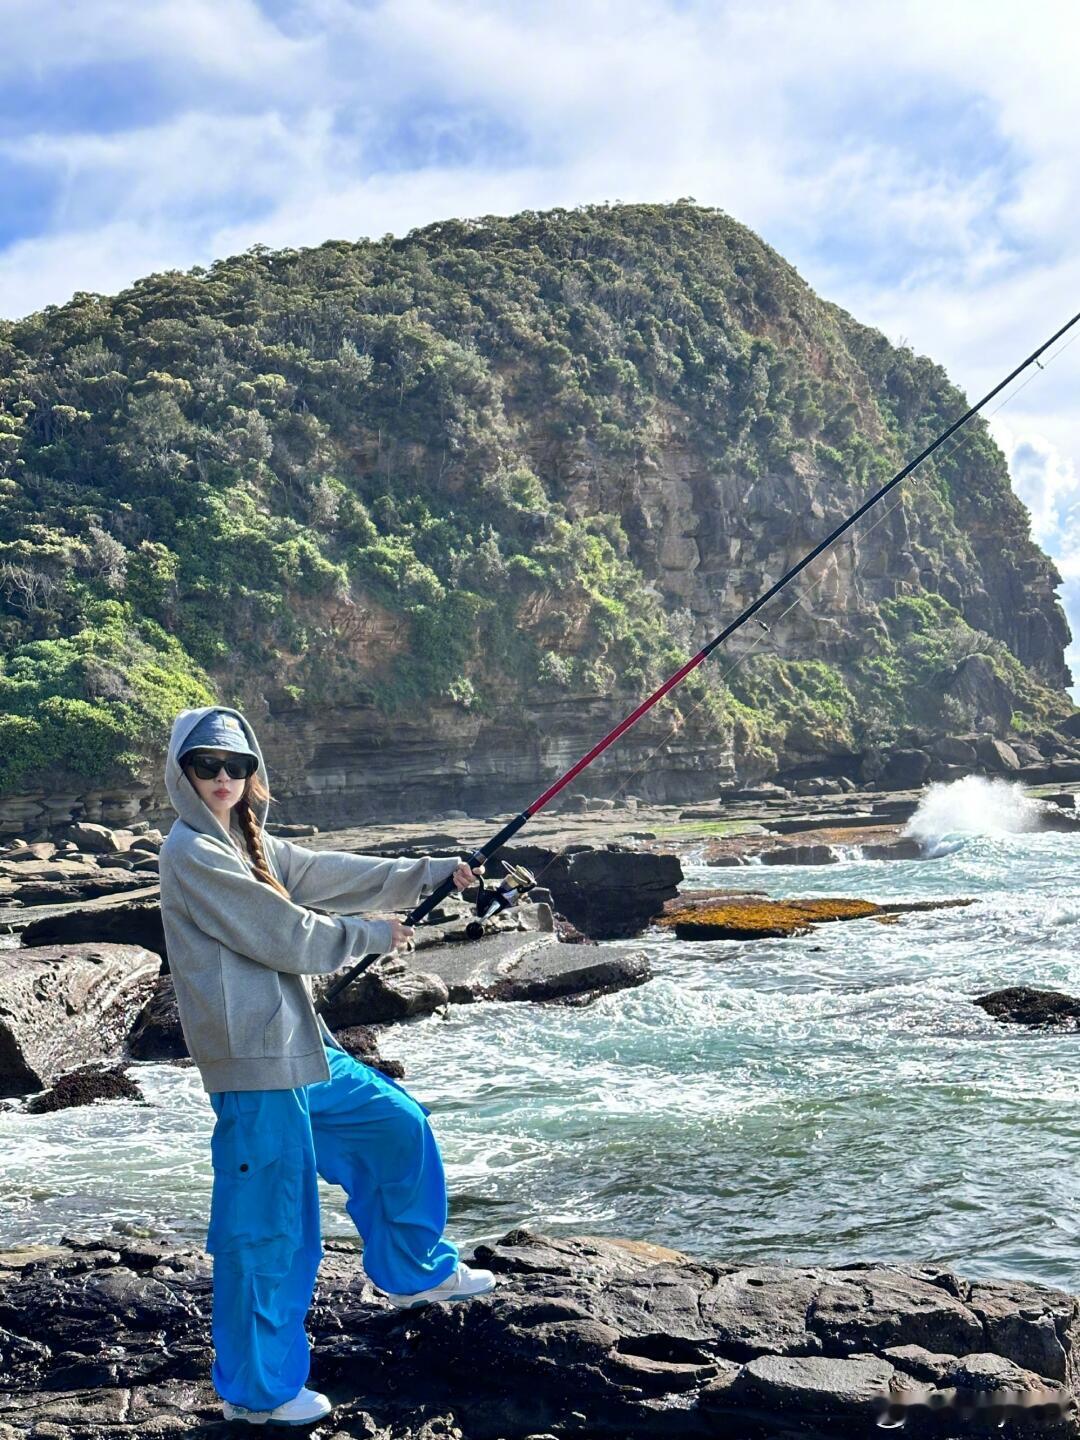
608 894
156 1034
582 1336
1023 1005
83 1087
60 1005
362 1043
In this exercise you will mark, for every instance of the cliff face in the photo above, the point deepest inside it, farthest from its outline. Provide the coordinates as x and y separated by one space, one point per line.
440 510
712 542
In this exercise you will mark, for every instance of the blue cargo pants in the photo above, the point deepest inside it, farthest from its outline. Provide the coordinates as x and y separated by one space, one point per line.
360 1130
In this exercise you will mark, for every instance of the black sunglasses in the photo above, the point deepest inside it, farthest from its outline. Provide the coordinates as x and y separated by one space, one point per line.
238 767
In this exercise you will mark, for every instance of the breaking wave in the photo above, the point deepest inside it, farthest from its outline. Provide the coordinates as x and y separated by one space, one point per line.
948 813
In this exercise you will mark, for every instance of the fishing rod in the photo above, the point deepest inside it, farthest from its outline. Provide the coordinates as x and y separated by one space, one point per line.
508 831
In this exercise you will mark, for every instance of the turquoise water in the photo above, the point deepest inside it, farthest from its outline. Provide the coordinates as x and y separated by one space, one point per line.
825 1099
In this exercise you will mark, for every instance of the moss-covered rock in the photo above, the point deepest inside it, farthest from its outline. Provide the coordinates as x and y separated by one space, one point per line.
753 919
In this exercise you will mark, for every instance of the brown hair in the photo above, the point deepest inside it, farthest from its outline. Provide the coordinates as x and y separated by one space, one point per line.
252 832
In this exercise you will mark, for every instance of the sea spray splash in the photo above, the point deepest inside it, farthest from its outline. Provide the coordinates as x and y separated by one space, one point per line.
972 806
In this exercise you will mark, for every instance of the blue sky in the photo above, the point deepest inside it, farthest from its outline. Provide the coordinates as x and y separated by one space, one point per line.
916 161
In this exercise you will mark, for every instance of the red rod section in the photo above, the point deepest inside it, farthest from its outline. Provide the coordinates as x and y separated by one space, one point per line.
620 729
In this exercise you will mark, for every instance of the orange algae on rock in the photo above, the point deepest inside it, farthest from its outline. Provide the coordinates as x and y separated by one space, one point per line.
752 919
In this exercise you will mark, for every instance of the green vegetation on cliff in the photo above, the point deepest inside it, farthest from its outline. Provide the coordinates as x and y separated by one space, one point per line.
356 472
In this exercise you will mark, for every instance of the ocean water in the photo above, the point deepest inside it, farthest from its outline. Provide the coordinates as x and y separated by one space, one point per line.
819 1100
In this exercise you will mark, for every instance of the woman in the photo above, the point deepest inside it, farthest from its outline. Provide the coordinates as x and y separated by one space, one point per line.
290 1103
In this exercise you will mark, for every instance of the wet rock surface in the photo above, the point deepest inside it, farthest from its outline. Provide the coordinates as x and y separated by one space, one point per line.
156 1033
1038 1009
60 1005
514 965
83 1087
582 1336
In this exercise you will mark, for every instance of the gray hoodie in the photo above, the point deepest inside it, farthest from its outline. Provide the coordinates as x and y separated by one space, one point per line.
239 950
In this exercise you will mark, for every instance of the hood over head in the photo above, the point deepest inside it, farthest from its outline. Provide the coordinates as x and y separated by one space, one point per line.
185 798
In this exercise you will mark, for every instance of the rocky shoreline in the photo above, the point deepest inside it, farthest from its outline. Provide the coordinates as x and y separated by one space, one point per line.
84 971
107 1337
583 1336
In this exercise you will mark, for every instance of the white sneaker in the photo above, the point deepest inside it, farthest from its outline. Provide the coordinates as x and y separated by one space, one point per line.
302 1409
461 1284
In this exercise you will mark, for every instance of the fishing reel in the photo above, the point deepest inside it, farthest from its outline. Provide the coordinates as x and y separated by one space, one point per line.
492 900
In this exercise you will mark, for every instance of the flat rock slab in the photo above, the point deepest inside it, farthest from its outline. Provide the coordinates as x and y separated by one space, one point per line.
753 918
52 883
531 966
130 916
66 1005
583 1336
515 965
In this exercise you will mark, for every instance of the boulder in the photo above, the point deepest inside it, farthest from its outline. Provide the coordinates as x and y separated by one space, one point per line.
904 770
96 838
1026 753
953 750
41 850
945 772
996 755
83 1087
765 791
607 894
814 785
1026 1005
65 1004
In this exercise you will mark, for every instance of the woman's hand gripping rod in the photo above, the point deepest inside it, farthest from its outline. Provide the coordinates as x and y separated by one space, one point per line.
419 912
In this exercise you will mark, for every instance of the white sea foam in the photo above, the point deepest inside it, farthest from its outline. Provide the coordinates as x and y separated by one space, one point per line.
971 806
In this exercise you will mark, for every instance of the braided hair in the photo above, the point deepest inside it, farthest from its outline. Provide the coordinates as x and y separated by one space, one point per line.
256 790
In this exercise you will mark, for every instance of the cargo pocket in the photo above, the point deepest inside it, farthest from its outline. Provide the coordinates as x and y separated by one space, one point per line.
255 1208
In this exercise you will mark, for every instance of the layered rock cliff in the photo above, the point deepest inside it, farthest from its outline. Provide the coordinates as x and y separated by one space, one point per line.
437 510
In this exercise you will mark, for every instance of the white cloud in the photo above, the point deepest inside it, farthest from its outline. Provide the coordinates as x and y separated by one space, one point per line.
227 40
